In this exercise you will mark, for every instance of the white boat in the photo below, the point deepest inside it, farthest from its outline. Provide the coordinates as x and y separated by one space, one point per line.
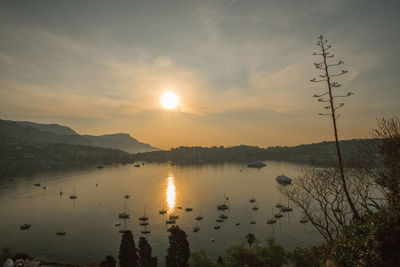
283 180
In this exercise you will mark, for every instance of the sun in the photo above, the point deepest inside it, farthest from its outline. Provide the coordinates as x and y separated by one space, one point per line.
169 100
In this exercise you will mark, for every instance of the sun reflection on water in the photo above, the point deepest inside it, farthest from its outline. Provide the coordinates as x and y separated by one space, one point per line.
171 193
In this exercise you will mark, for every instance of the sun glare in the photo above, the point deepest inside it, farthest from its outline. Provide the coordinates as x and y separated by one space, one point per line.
169 100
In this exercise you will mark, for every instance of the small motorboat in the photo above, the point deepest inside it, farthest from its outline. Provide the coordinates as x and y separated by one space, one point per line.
257 164
278 215
145 231
271 221
286 209
278 205
217 227
73 196
144 223
162 211
117 224
237 224
127 196
252 200
252 222
283 180
179 207
170 221
196 229
100 166
222 207
37 184
44 187
254 208
173 217
303 220
137 165
25 226
199 218
188 209
123 215
61 233
223 216
143 218
219 220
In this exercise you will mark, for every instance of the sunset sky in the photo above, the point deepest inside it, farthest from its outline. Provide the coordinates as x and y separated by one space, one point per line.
240 69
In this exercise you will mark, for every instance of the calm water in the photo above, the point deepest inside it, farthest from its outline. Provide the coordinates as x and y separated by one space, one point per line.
90 220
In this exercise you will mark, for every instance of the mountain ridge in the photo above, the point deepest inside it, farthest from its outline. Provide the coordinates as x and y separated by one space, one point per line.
55 133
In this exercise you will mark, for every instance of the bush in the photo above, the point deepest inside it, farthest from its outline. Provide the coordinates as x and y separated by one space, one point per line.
200 259
272 255
312 257
371 242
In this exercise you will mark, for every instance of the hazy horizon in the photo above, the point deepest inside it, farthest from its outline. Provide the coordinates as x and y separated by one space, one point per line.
240 69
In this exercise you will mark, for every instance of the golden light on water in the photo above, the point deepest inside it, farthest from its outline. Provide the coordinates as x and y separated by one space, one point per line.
171 193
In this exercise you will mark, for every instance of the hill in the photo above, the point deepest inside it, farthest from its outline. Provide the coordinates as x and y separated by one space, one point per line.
321 154
57 134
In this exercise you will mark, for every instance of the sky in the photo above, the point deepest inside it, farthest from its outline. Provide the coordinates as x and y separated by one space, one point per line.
241 69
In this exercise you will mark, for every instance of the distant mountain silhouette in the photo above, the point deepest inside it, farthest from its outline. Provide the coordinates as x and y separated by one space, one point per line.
53 128
53 133
122 141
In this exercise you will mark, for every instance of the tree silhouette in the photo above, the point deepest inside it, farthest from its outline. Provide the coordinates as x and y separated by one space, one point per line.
388 131
108 262
178 251
330 97
127 251
145 259
251 238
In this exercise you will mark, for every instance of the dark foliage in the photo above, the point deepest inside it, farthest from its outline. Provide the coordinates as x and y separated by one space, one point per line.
311 257
318 154
145 258
108 262
179 250
127 252
372 242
